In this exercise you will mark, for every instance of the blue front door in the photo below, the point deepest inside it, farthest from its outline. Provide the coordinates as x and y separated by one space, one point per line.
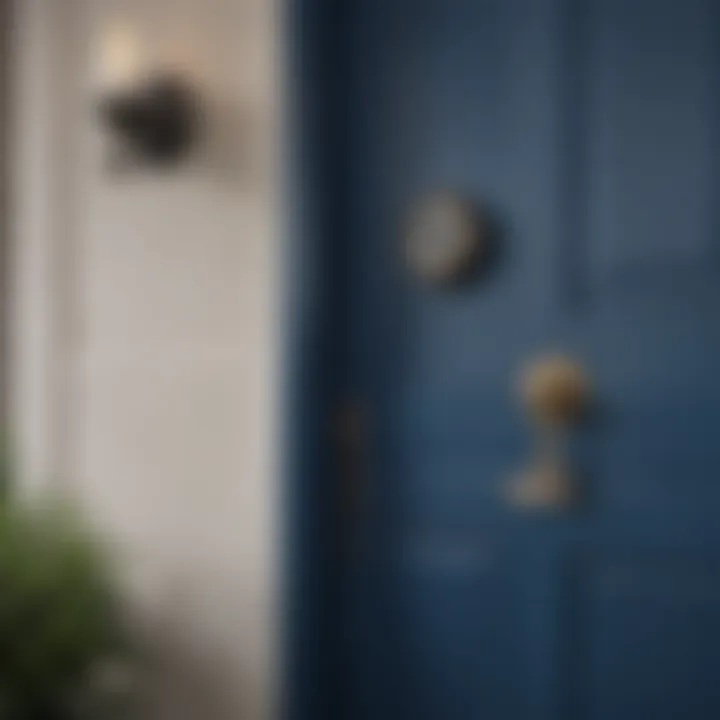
591 130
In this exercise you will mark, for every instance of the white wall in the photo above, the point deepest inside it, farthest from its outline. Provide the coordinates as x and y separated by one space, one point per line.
145 335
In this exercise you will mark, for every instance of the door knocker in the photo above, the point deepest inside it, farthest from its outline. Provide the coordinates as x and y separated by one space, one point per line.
446 239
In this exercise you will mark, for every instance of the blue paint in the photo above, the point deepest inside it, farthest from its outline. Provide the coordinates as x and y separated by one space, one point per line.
313 373
591 127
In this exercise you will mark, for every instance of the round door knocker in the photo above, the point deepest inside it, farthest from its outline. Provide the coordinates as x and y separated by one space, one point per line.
446 239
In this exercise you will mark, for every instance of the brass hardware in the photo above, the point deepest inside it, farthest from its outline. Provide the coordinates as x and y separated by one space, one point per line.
556 392
446 238
547 481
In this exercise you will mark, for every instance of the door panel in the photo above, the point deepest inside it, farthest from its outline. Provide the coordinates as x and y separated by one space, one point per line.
651 627
652 94
589 130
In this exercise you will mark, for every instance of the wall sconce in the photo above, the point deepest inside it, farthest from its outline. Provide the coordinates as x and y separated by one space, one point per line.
153 117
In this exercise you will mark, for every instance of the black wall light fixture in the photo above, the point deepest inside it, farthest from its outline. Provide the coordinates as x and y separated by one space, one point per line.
157 120
150 117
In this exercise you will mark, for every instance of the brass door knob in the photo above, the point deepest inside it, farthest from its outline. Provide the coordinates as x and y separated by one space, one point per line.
556 392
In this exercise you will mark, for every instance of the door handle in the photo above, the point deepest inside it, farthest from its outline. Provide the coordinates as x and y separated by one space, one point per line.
556 394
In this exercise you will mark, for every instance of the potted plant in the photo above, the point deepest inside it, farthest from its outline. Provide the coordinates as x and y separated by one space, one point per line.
60 633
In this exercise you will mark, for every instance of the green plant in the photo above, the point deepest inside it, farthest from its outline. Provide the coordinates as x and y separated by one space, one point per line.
58 615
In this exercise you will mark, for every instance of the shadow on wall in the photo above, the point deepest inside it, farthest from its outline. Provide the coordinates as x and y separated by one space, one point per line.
182 683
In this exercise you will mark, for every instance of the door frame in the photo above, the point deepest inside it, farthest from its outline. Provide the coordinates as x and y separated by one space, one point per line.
312 42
